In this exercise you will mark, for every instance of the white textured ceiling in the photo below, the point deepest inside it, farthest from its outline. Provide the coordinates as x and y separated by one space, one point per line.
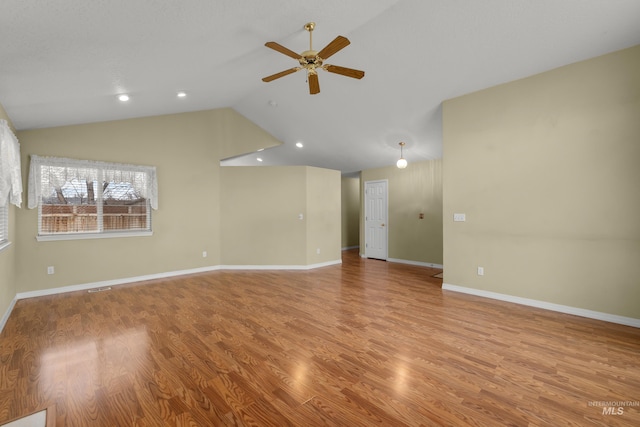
63 62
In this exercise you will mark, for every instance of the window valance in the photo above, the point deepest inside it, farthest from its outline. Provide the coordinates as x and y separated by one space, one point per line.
46 174
10 175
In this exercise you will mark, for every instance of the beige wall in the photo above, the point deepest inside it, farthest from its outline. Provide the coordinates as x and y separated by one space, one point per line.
7 256
186 149
547 171
350 212
414 190
260 207
260 215
323 215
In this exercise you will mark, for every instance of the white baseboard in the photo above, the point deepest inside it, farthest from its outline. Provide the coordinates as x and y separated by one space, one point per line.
7 313
419 263
613 318
106 283
280 267
350 247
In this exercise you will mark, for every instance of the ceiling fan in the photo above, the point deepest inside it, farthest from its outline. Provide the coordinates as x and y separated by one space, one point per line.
312 60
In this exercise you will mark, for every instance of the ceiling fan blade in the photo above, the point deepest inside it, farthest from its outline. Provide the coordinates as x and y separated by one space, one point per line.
337 44
314 84
349 72
278 47
280 74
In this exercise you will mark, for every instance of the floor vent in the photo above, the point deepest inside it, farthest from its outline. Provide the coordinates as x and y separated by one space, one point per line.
108 288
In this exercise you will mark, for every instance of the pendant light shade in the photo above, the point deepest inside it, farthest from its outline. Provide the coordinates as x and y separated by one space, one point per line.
402 163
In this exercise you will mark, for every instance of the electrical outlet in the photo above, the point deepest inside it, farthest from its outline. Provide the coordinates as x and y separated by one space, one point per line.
480 271
50 270
204 254
459 217
318 251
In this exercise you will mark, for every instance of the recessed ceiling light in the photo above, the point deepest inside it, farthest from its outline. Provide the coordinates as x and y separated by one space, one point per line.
182 94
124 97
259 159
273 103
299 144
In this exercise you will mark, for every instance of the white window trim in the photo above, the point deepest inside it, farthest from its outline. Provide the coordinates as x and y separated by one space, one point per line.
82 236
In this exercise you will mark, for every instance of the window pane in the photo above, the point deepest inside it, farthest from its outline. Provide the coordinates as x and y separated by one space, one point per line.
70 208
123 208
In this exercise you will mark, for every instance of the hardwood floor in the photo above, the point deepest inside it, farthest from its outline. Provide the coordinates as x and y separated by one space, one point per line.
361 344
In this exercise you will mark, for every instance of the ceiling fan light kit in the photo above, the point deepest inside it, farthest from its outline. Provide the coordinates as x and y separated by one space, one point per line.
311 60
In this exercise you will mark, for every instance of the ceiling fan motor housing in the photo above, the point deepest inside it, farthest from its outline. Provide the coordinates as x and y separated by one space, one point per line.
310 58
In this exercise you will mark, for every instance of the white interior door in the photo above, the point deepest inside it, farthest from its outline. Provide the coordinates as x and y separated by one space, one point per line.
375 220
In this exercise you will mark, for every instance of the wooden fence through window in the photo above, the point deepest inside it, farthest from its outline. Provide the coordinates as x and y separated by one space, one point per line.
84 218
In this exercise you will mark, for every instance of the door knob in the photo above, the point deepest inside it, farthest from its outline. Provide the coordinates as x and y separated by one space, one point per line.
382 225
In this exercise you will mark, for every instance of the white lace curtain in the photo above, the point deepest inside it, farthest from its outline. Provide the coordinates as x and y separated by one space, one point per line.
48 173
10 175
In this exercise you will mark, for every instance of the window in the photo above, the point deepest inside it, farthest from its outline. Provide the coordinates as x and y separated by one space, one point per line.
10 178
81 198
4 225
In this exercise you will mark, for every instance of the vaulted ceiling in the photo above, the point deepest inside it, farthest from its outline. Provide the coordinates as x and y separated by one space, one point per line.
64 62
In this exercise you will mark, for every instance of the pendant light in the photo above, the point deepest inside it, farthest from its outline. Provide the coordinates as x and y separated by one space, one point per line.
402 163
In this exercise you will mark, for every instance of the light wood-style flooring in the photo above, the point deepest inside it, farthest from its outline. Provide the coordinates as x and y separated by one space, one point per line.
365 343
